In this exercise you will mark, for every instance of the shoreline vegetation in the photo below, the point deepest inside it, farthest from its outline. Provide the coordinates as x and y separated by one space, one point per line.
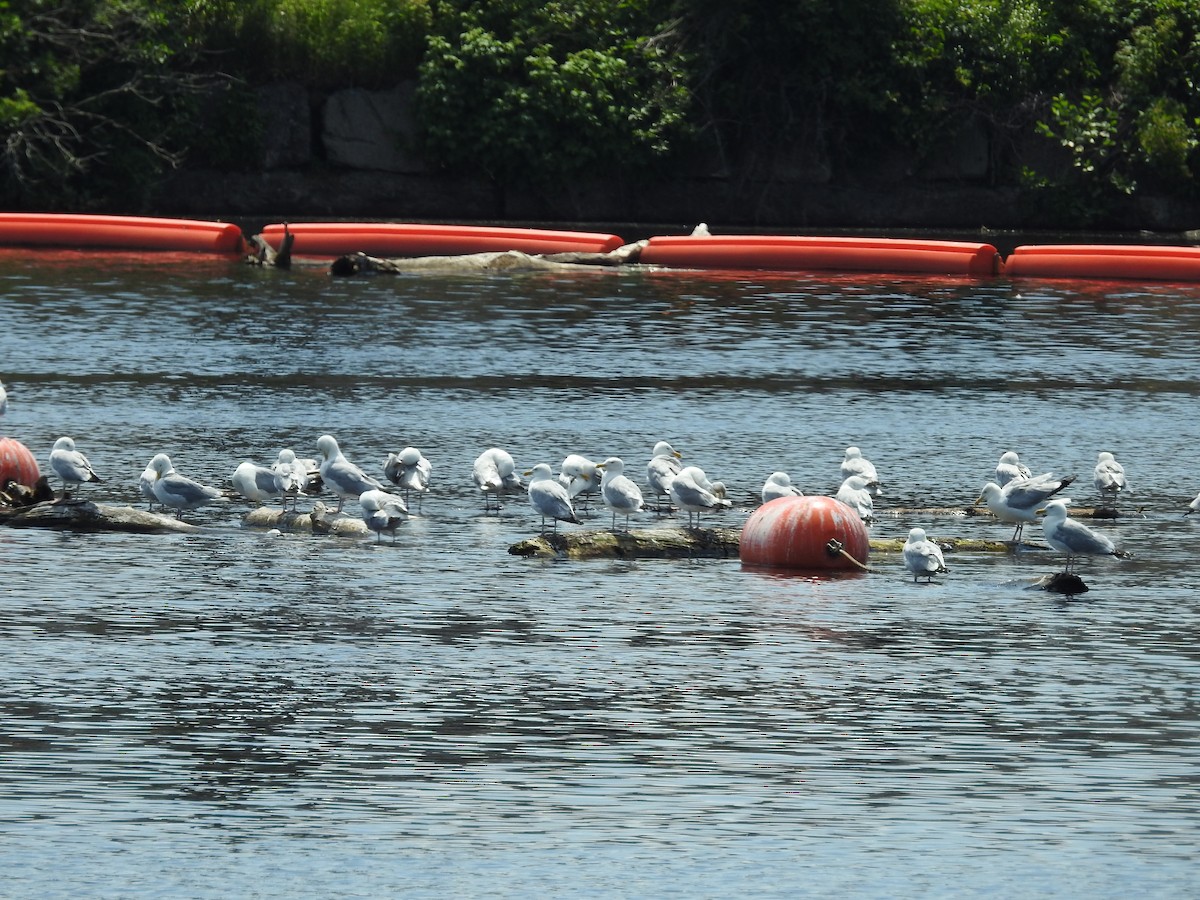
984 114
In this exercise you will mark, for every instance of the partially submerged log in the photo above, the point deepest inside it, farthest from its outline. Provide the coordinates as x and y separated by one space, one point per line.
1083 512
84 515
654 543
319 521
1067 583
682 543
492 261
263 254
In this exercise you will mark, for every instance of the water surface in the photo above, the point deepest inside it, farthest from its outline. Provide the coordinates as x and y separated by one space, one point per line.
241 714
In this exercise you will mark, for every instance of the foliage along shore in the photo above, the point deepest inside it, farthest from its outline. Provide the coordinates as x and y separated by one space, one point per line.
1059 114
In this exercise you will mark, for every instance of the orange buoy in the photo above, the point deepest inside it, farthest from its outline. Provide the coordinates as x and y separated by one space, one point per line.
17 463
805 533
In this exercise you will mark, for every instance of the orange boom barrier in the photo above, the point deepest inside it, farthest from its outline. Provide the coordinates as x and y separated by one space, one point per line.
401 239
1142 263
90 232
847 254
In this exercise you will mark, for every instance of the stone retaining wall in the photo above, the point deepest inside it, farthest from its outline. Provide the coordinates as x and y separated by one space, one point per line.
352 154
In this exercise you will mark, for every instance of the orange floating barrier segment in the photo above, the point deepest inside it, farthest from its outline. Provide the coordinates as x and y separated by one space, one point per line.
398 239
97 232
743 251
1123 261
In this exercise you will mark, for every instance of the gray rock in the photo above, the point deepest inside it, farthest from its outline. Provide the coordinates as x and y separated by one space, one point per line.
372 130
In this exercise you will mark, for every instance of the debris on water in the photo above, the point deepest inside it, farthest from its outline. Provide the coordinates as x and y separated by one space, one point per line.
1067 583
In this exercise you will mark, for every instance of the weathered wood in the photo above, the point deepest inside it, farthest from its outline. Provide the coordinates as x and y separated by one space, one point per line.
655 543
681 543
1067 583
84 515
319 521
263 254
1083 512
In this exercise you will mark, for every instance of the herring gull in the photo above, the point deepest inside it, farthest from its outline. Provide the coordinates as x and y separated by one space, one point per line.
856 494
178 491
922 556
494 473
256 483
619 491
663 466
854 463
409 470
579 475
779 484
549 498
293 475
146 485
1109 476
692 492
1017 502
340 475
70 465
1010 467
1072 537
382 512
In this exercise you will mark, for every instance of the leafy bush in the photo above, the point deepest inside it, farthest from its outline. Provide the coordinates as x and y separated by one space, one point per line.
89 95
320 43
541 92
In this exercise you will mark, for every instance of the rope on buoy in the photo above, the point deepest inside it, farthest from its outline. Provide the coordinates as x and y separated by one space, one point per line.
836 548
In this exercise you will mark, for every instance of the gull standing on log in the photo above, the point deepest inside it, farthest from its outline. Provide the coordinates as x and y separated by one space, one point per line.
340 475
1017 502
1074 538
293 476
177 491
619 491
549 498
663 466
256 483
70 465
692 492
1109 476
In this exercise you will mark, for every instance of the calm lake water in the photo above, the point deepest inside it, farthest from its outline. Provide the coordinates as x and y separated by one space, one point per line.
235 713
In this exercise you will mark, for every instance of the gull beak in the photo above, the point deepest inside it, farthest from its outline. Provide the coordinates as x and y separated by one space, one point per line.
1040 512
979 502
527 474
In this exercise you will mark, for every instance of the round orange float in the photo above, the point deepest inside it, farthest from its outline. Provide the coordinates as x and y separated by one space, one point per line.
17 463
805 533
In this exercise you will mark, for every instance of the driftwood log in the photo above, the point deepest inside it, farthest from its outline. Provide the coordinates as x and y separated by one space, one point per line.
682 543
263 254
493 261
319 521
84 515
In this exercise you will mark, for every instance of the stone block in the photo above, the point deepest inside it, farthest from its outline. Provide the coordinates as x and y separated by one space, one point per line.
372 130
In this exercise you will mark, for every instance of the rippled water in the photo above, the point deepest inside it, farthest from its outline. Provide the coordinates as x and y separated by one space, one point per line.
239 714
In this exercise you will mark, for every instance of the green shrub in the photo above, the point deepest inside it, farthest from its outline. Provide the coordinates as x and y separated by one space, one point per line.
543 92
